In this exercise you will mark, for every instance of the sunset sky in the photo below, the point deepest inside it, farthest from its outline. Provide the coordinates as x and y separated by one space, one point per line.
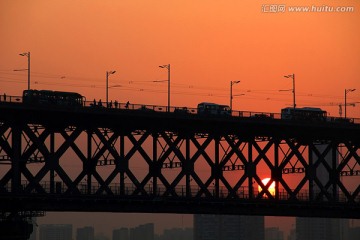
207 42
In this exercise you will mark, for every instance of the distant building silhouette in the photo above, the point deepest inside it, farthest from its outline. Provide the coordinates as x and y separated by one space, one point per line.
292 235
273 233
55 232
322 228
121 234
85 233
354 233
176 234
142 232
228 227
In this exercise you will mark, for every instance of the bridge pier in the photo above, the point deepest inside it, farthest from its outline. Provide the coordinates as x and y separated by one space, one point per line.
15 229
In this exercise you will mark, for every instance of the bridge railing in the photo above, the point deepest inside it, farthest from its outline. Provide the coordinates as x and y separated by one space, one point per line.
194 192
10 99
178 110
186 110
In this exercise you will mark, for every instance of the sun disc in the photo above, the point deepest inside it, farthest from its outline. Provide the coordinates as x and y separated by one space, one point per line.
271 188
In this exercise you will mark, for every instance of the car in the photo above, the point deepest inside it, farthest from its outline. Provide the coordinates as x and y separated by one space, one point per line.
181 110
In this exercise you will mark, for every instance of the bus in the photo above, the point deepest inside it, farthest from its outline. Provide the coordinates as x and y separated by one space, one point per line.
48 97
213 109
305 113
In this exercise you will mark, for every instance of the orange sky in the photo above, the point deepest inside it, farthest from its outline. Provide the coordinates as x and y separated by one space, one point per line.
207 42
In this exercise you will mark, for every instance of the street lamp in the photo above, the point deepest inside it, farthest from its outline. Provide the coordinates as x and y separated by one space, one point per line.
27 54
231 95
346 92
293 90
107 85
168 68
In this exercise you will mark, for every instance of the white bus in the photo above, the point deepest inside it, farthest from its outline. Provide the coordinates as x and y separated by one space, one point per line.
305 113
213 109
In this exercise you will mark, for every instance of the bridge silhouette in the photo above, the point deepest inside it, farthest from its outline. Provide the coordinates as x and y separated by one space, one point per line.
150 160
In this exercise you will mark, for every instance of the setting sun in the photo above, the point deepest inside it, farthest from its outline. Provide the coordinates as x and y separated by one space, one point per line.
271 187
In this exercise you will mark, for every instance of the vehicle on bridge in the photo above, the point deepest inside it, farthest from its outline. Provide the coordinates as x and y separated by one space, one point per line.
262 115
213 109
305 113
182 110
48 97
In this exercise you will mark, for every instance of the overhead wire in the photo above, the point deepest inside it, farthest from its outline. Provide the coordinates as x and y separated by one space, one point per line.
152 86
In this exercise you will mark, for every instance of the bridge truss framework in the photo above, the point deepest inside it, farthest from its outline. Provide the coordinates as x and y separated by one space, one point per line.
133 161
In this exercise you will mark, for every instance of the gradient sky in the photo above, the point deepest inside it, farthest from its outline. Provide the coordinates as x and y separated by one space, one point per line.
207 42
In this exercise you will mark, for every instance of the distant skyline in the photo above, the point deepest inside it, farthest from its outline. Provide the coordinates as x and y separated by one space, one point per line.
348 232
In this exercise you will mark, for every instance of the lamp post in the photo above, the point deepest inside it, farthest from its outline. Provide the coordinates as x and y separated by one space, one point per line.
107 85
346 92
293 89
231 95
27 54
168 68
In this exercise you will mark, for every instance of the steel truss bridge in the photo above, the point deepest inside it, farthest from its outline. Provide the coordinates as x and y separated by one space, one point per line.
120 160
